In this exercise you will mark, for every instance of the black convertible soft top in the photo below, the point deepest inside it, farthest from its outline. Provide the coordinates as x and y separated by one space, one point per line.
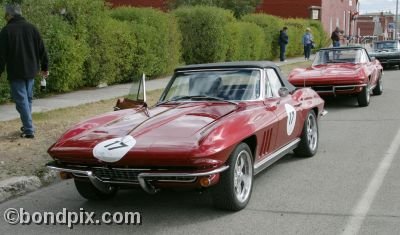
239 64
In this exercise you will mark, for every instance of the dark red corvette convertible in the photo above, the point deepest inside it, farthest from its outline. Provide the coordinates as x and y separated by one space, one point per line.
215 126
342 71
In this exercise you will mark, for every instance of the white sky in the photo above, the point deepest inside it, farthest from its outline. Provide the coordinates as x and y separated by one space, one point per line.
372 6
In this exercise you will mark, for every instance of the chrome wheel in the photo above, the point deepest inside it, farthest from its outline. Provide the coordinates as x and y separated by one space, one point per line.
242 178
312 132
233 191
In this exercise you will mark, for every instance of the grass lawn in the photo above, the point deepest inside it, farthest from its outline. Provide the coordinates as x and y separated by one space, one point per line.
28 156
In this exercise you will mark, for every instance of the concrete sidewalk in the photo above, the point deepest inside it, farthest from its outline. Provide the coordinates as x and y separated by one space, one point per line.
8 111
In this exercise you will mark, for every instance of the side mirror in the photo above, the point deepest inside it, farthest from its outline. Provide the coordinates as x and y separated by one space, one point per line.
283 92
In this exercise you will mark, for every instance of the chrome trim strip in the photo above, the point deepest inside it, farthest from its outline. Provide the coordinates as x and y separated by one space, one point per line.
73 171
267 161
155 174
217 69
344 86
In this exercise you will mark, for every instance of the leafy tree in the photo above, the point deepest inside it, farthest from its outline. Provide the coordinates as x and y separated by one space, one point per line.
238 7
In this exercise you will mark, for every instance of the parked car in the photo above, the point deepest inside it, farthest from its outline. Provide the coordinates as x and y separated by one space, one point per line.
387 52
342 71
214 127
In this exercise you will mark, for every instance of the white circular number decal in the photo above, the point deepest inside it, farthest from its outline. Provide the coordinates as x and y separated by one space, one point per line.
291 118
114 149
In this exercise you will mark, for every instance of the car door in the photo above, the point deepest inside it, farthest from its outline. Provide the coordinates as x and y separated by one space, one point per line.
287 110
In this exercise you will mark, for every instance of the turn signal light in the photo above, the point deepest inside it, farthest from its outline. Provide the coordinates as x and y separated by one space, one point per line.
65 175
205 181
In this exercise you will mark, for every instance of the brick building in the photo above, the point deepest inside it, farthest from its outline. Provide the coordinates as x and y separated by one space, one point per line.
331 13
380 25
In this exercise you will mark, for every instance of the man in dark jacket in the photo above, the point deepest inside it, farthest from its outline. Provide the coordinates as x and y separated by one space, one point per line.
283 41
21 51
335 36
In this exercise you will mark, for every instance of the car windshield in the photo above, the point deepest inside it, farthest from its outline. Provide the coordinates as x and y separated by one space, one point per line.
228 85
338 56
385 45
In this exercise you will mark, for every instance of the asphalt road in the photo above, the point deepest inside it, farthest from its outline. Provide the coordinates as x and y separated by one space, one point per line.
352 185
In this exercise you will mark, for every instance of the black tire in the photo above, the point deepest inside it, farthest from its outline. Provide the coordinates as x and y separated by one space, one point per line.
225 195
87 190
364 97
378 90
309 139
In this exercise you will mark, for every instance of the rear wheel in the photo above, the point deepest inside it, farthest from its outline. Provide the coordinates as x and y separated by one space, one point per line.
364 97
234 189
87 190
309 137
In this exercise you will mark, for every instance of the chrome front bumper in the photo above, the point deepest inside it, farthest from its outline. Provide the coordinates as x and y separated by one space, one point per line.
144 176
335 89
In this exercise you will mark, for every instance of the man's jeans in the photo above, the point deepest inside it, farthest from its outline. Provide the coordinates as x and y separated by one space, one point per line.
307 51
336 43
22 93
282 52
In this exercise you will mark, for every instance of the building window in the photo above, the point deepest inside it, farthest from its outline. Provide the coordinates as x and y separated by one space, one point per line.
315 12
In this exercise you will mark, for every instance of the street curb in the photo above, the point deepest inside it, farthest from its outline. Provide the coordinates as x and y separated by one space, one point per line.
21 185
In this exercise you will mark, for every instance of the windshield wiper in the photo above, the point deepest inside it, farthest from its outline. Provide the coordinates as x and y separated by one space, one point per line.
198 97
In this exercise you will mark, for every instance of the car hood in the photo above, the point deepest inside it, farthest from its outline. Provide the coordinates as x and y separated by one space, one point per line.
326 72
164 124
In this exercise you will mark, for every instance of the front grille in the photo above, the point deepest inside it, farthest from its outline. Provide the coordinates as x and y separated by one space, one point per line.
323 88
172 178
347 88
131 175
109 174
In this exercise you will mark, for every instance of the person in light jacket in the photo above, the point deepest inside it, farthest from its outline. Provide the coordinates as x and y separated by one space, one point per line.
307 41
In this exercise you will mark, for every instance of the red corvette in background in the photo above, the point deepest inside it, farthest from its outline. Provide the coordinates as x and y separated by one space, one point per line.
342 71
215 126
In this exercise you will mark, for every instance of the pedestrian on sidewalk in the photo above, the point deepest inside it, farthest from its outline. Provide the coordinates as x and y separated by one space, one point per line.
21 51
335 36
307 41
283 41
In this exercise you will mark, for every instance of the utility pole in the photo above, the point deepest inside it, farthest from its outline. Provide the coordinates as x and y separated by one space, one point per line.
397 19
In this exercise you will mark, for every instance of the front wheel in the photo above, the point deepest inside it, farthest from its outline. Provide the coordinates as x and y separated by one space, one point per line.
309 137
87 190
364 97
379 87
234 189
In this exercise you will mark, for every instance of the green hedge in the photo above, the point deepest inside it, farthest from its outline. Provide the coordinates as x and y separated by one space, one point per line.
271 26
158 39
246 42
204 33
112 49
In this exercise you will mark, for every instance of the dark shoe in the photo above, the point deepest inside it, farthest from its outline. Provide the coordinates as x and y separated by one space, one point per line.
28 136
22 129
